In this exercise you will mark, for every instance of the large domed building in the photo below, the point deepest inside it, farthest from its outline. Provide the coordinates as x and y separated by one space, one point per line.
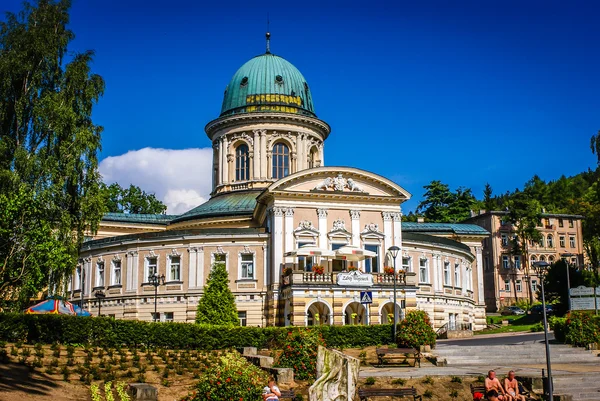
275 212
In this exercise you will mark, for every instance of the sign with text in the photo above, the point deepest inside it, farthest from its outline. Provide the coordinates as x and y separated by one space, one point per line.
581 291
355 279
582 303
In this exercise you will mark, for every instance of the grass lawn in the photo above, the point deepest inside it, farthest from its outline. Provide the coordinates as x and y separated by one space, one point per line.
515 324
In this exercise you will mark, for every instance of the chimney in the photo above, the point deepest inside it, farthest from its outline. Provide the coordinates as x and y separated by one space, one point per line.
420 220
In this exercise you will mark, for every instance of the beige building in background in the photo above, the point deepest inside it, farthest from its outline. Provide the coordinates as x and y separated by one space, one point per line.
508 277
272 195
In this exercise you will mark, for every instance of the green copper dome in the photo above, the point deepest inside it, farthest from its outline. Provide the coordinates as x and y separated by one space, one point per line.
268 83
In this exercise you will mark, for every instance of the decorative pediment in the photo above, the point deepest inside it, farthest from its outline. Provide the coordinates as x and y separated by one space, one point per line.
174 252
306 229
116 257
339 229
372 231
339 184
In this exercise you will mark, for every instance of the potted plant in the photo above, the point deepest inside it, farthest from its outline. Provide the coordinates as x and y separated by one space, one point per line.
352 268
388 270
318 269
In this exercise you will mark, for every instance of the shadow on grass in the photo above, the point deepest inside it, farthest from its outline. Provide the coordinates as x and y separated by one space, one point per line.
15 377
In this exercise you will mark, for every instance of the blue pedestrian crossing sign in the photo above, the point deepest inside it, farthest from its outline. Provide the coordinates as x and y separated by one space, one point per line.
366 297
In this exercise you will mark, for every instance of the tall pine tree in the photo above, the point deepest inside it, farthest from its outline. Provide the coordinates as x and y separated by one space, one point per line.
217 305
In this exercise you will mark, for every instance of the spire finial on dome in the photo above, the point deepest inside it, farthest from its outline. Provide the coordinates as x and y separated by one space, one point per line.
268 36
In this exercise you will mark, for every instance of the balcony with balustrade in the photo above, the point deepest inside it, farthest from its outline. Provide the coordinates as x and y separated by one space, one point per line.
327 279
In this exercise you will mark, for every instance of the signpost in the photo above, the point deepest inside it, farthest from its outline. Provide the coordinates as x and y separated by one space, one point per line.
584 298
366 298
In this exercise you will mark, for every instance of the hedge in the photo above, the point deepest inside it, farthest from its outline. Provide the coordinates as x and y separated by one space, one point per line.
109 332
577 328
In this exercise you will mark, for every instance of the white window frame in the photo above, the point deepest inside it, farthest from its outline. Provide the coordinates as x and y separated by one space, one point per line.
562 241
170 267
504 239
164 317
408 266
424 271
212 258
519 285
241 263
243 318
447 279
147 267
505 262
533 285
517 261
572 241
550 241
377 268
78 272
457 282
507 285
306 267
100 276
113 272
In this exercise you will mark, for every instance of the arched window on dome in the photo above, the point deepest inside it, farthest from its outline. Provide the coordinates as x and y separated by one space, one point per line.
313 157
242 163
281 160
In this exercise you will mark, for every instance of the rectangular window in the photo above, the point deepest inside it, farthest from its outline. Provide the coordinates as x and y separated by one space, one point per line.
572 241
561 223
116 276
100 274
337 265
446 273
547 223
220 258
155 316
507 285
570 223
423 276
247 268
406 264
152 267
457 275
168 317
175 271
561 241
78 281
505 262
504 240
372 264
517 262
534 285
305 263
519 289
243 318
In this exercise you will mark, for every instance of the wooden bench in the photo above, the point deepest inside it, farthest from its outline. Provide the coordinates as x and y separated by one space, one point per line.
287 394
365 393
398 353
478 388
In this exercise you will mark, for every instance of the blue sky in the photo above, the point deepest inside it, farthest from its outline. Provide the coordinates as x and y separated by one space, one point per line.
463 92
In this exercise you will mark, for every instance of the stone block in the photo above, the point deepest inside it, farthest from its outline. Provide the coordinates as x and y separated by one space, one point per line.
142 392
266 362
285 375
249 351
505 323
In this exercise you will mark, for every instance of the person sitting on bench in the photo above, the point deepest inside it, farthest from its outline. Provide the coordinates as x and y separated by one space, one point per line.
271 392
491 395
512 387
492 383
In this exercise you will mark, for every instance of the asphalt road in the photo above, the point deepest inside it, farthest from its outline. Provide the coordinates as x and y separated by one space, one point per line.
498 340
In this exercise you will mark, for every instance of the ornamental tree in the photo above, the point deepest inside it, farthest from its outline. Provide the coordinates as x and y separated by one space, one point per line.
217 305
416 330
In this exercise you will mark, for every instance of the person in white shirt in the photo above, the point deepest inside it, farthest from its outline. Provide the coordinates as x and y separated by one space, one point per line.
271 392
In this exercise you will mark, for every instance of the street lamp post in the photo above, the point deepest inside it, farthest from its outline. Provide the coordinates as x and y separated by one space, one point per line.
393 250
156 280
565 256
99 296
82 284
540 269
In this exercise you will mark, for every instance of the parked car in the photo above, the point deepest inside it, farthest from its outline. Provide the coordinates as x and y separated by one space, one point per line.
512 310
537 310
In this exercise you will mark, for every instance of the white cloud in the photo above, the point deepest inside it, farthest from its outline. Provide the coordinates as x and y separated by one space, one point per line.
182 179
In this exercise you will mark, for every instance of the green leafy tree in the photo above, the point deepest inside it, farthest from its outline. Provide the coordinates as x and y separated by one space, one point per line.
524 214
555 283
48 144
488 202
217 305
441 205
595 145
132 200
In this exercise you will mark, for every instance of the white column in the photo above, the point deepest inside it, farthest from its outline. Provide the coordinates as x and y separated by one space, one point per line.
322 214
257 155
437 283
225 161
355 218
135 272
200 268
322 155
265 266
88 277
289 233
397 217
220 163
387 230
263 155
480 294
302 140
192 265
129 272
277 243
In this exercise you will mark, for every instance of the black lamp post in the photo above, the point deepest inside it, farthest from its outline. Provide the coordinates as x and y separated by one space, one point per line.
394 252
99 296
156 280
540 269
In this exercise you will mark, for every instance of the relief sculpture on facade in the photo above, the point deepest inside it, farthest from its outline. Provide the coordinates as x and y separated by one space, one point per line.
338 183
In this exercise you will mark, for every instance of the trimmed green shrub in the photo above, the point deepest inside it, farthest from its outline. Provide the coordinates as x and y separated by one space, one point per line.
416 330
300 353
230 378
582 329
217 305
559 326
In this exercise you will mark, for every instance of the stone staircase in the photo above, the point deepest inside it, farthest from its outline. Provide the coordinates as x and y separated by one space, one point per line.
521 357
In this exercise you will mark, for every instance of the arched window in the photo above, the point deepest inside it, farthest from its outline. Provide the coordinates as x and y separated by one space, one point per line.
533 259
312 157
542 258
551 259
550 241
281 161
242 163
